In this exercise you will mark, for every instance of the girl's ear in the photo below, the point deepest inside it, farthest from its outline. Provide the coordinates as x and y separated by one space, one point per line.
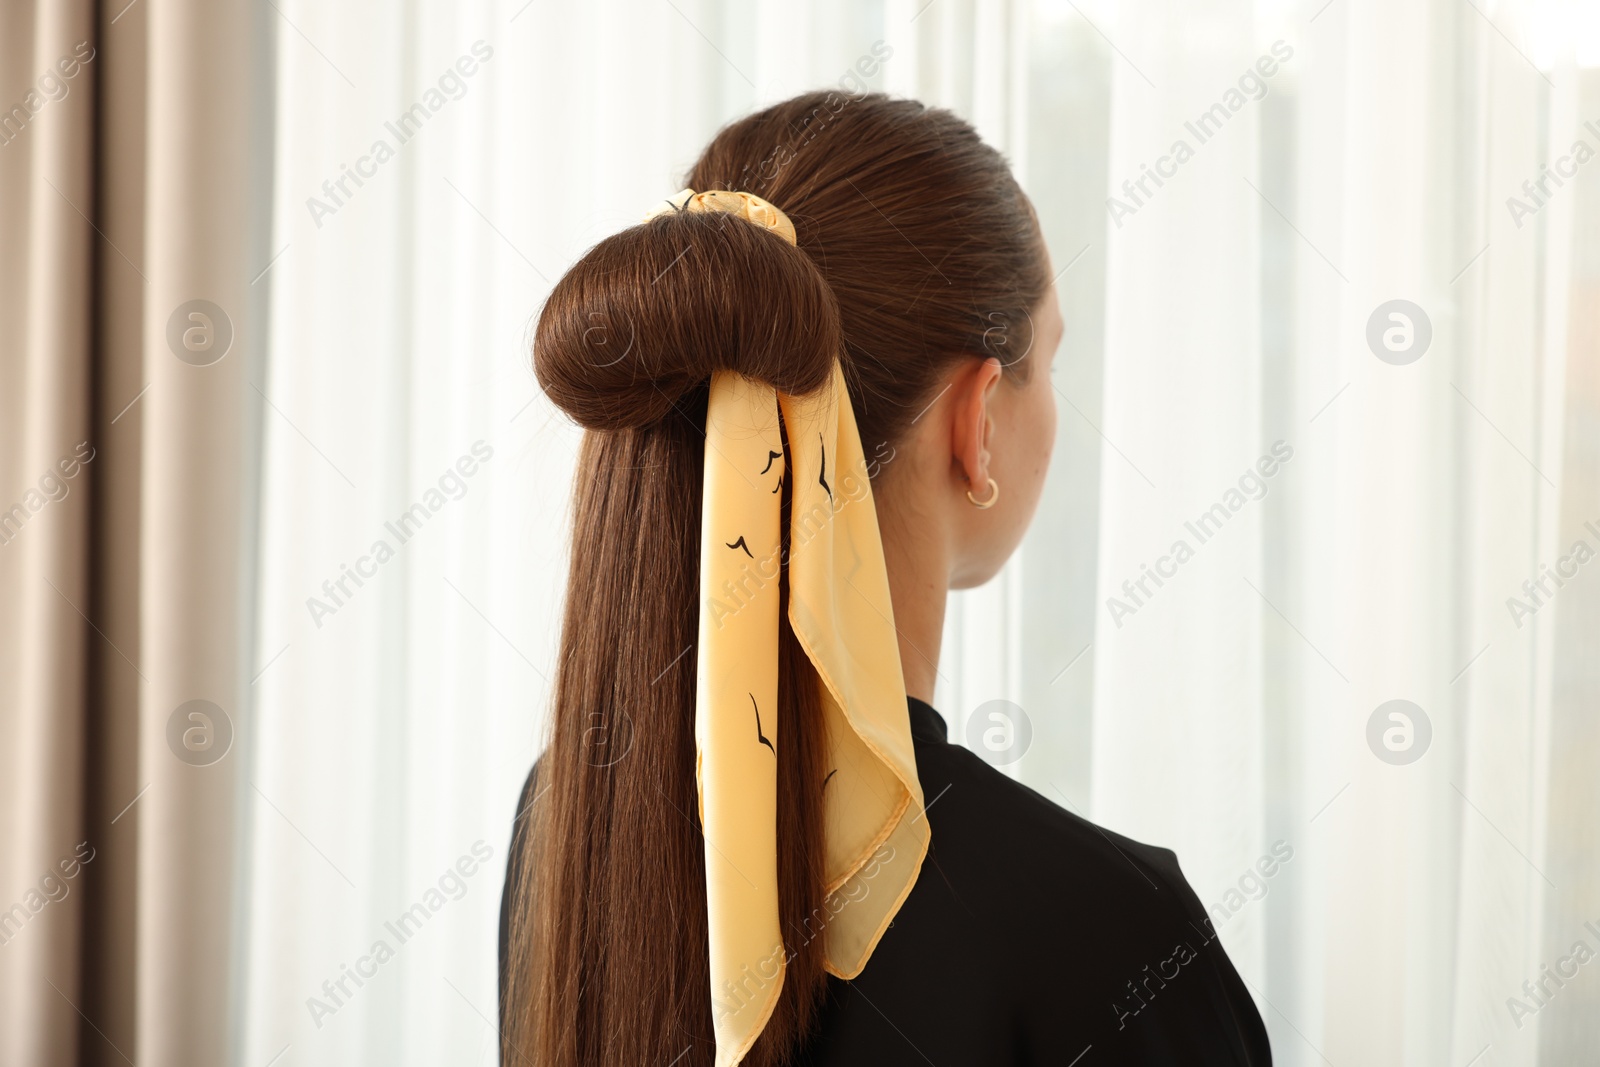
973 386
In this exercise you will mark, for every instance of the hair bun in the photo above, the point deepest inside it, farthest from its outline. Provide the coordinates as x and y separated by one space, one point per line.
648 314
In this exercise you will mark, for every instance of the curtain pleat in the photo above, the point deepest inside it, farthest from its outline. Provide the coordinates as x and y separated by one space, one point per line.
124 549
192 603
110 935
48 185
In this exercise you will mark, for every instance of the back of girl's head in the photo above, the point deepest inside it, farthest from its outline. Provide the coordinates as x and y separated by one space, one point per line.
917 228
915 249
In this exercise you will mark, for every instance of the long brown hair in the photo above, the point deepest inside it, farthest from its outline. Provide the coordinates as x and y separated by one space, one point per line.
916 249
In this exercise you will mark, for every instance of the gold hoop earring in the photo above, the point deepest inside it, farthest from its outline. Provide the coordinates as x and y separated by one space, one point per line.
994 495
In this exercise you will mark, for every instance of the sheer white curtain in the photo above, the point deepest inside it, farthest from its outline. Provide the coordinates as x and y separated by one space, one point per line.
415 484
1231 708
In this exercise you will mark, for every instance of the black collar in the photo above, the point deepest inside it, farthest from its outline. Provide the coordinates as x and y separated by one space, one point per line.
927 724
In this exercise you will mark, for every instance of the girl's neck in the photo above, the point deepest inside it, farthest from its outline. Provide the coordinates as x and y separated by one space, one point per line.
917 558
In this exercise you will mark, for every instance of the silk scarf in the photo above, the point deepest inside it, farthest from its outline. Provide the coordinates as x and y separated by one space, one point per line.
839 609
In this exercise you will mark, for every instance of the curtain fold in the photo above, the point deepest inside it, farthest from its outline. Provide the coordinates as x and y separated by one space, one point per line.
48 182
1184 495
114 782
125 553
194 575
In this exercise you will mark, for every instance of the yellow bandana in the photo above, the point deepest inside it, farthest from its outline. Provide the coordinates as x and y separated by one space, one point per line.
839 608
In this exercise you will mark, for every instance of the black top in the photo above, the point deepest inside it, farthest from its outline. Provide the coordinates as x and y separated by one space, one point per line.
1032 936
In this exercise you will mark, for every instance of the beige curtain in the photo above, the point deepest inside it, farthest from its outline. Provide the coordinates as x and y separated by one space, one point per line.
126 169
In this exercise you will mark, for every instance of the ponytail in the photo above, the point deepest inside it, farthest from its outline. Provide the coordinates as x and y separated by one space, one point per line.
607 956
